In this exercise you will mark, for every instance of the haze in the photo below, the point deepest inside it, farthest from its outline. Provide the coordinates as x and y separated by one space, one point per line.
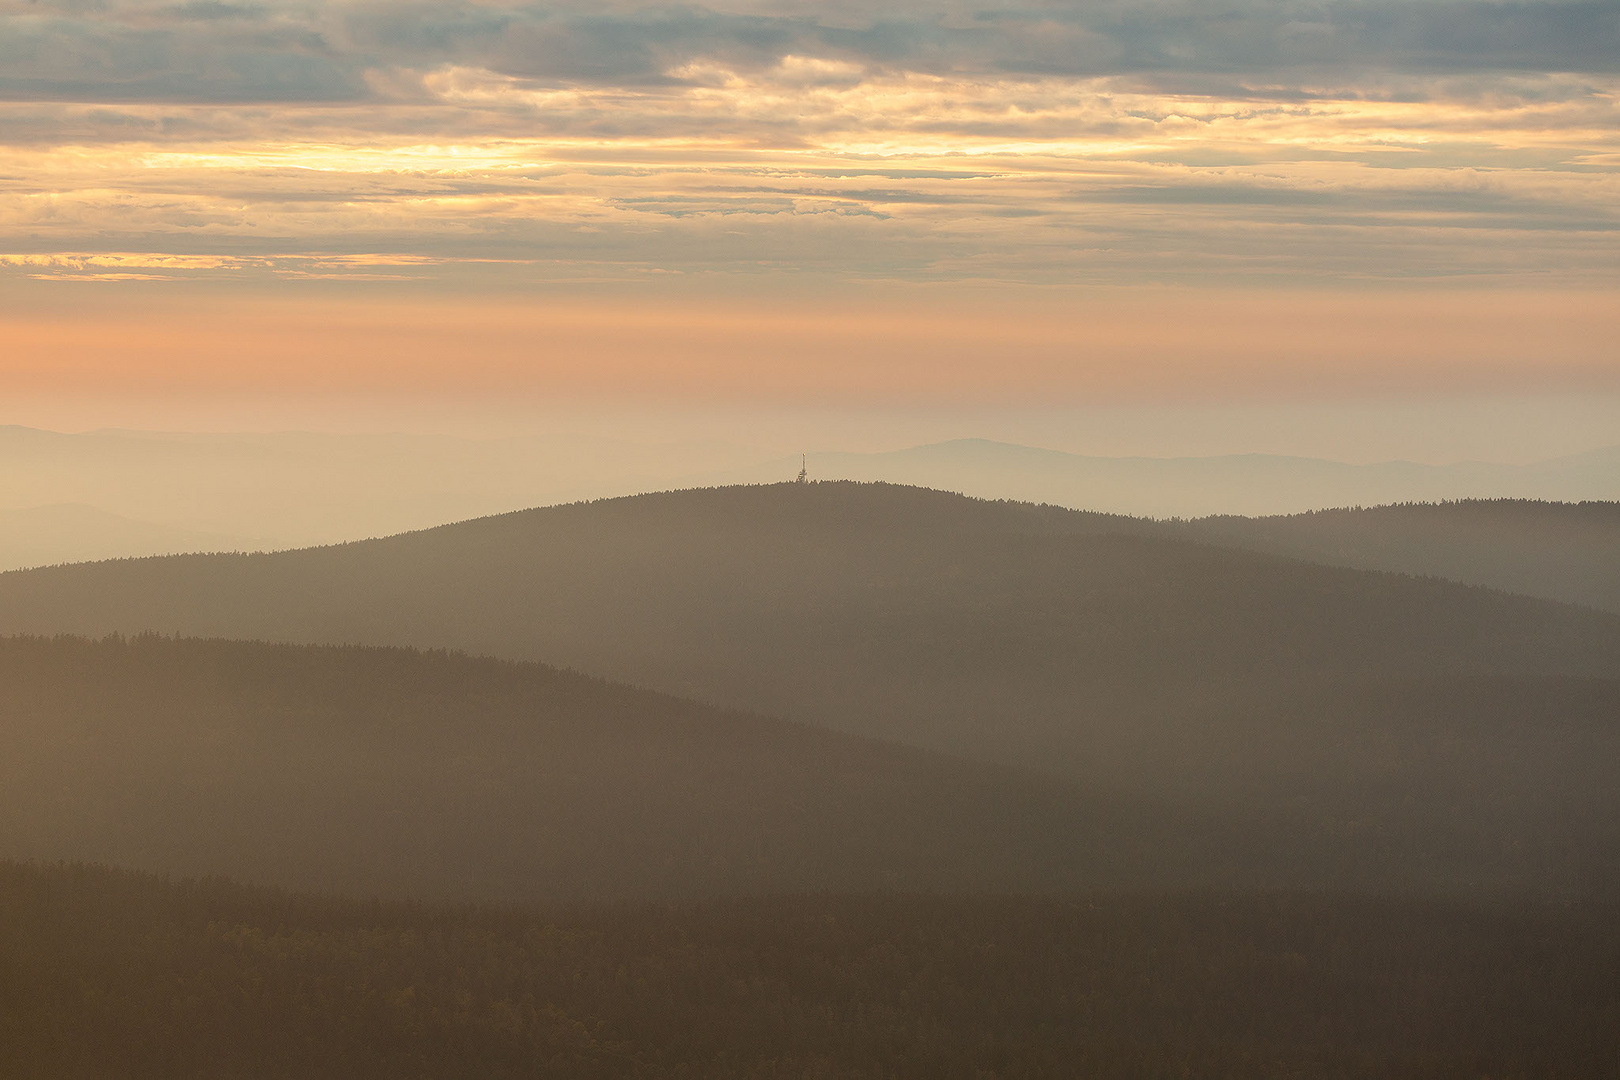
758 538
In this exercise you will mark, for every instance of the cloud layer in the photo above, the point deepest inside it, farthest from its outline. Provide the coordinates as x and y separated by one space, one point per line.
219 52
513 145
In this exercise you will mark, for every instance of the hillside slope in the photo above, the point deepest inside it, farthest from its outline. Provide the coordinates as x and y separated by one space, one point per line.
1092 646
431 775
1560 551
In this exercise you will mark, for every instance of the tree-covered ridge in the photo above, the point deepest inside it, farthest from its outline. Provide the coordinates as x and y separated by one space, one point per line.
391 771
411 774
1035 636
113 974
1559 551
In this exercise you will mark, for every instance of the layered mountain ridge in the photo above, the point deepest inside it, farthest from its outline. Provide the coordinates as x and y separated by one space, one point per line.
1324 724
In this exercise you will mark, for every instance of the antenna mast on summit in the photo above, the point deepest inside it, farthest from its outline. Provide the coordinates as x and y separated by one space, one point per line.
804 469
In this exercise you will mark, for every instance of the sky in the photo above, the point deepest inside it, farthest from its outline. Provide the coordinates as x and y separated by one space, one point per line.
1047 220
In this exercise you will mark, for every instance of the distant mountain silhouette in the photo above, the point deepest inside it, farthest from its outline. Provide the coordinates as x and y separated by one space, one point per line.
1090 647
73 532
1247 484
1560 551
292 489
301 488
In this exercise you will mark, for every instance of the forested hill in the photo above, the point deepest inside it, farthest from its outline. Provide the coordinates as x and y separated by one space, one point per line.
431 775
116 976
393 772
1560 551
1086 644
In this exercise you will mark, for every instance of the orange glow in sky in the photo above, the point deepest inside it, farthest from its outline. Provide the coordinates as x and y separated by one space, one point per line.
769 200
936 347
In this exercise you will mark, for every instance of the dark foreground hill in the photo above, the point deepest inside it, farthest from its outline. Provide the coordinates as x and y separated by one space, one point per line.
1083 644
386 771
1560 551
110 974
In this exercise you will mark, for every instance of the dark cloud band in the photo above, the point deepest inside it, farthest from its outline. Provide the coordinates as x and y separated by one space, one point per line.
212 51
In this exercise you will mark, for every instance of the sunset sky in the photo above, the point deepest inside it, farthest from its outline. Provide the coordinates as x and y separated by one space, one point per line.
916 207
